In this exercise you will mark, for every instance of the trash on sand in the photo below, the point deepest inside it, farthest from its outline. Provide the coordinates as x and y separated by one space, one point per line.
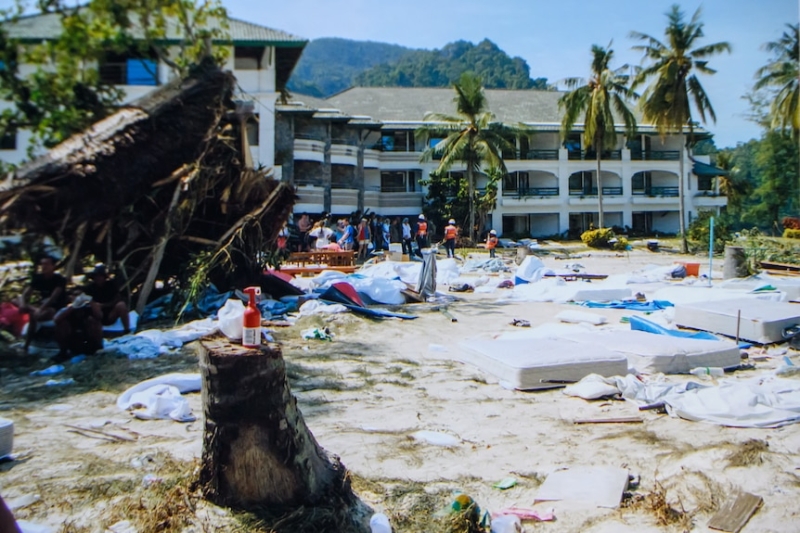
29 527
709 371
642 324
526 514
601 486
506 524
315 307
574 317
317 333
461 287
161 397
59 382
620 420
123 526
436 438
22 501
49 371
630 305
735 514
505 483
151 479
520 323
379 523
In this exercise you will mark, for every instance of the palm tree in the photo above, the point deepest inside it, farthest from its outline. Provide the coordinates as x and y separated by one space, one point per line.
782 74
667 101
599 99
471 137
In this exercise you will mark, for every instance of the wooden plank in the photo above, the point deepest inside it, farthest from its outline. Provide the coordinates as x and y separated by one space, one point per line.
623 420
779 266
733 516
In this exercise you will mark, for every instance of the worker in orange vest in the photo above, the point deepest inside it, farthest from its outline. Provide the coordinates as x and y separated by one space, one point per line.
450 234
422 235
491 242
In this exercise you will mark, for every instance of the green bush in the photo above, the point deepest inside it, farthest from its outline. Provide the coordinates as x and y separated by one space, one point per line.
597 238
789 233
699 233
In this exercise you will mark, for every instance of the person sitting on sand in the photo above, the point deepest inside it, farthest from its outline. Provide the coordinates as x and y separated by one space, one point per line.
78 329
50 287
107 303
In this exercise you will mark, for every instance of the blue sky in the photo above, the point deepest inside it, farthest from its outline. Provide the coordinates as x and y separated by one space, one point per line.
553 36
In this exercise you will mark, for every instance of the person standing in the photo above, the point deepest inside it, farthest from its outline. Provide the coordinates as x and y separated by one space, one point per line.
406 229
450 234
348 236
304 226
421 234
363 239
51 288
386 233
491 243
394 231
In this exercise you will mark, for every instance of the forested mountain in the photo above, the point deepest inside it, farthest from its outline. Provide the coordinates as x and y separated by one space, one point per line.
440 68
331 65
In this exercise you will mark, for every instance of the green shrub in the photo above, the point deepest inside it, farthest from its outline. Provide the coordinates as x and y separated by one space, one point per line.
789 233
699 232
597 238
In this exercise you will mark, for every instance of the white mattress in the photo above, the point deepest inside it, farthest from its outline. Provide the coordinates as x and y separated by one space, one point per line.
762 321
650 353
6 437
523 363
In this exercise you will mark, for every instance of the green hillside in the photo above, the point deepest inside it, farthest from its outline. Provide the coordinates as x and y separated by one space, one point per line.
330 65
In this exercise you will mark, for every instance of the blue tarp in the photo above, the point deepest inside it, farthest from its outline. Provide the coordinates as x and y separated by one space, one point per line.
641 324
631 305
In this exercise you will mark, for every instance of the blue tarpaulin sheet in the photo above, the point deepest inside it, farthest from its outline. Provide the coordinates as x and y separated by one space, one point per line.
630 305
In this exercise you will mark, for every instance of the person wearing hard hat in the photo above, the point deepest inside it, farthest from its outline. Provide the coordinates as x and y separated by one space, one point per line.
491 243
421 234
450 235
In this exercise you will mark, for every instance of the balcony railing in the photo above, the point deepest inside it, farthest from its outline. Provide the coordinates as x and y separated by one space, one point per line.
608 155
347 142
531 191
657 191
543 155
308 137
655 155
607 191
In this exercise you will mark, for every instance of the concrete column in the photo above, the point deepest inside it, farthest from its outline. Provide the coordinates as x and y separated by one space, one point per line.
327 171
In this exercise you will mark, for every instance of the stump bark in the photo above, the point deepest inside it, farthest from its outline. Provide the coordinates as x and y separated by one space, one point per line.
257 450
735 265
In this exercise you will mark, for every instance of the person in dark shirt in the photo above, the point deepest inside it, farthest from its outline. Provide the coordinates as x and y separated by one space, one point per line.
51 289
107 303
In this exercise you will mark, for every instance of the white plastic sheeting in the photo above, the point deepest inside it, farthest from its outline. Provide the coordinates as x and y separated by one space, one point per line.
761 402
152 342
315 307
531 270
160 397
559 291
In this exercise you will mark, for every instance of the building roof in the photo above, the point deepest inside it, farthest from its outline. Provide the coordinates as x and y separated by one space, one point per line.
407 106
45 26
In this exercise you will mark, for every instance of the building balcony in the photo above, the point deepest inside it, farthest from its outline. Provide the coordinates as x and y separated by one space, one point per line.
591 155
655 200
309 150
657 191
310 198
709 199
372 158
344 154
655 155
400 157
393 203
530 201
607 191
531 191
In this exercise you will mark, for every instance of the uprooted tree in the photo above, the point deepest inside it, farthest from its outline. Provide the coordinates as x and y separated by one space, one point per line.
150 187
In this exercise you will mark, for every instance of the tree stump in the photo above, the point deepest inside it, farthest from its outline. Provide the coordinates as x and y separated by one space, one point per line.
258 452
735 265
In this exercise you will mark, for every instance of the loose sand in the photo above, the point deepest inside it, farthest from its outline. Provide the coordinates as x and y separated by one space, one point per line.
365 393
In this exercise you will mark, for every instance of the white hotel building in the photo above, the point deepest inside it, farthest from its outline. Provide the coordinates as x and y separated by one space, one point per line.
357 150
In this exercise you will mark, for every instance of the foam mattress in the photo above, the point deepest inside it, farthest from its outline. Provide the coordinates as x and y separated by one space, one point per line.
761 321
523 363
651 353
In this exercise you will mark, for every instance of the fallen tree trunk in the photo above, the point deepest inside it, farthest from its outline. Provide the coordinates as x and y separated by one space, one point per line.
258 452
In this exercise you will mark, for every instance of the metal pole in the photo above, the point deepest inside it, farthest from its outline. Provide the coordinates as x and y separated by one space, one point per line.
710 250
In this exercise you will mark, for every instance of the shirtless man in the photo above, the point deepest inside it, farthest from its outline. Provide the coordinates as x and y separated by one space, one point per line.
51 288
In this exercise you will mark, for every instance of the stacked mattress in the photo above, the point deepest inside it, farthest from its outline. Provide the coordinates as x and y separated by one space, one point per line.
761 321
530 363
523 363
6 437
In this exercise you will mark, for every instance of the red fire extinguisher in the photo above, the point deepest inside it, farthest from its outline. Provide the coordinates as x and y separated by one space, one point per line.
251 326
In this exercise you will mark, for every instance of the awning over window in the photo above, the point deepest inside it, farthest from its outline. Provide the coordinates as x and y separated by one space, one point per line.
706 170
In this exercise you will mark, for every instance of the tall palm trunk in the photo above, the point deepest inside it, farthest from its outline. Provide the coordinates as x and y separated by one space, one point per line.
599 186
471 188
681 199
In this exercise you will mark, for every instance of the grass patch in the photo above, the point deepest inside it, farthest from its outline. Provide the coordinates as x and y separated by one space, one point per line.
656 503
749 453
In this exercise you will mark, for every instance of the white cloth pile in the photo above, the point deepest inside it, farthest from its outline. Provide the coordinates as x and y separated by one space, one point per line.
160 397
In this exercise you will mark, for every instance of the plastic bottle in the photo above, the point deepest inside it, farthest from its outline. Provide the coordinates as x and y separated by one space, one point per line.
379 523
251 322
708 371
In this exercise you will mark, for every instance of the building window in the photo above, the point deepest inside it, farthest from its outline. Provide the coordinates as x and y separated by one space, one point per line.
248 57
397 141
705 183
8 141
252 130
399 181
127 69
